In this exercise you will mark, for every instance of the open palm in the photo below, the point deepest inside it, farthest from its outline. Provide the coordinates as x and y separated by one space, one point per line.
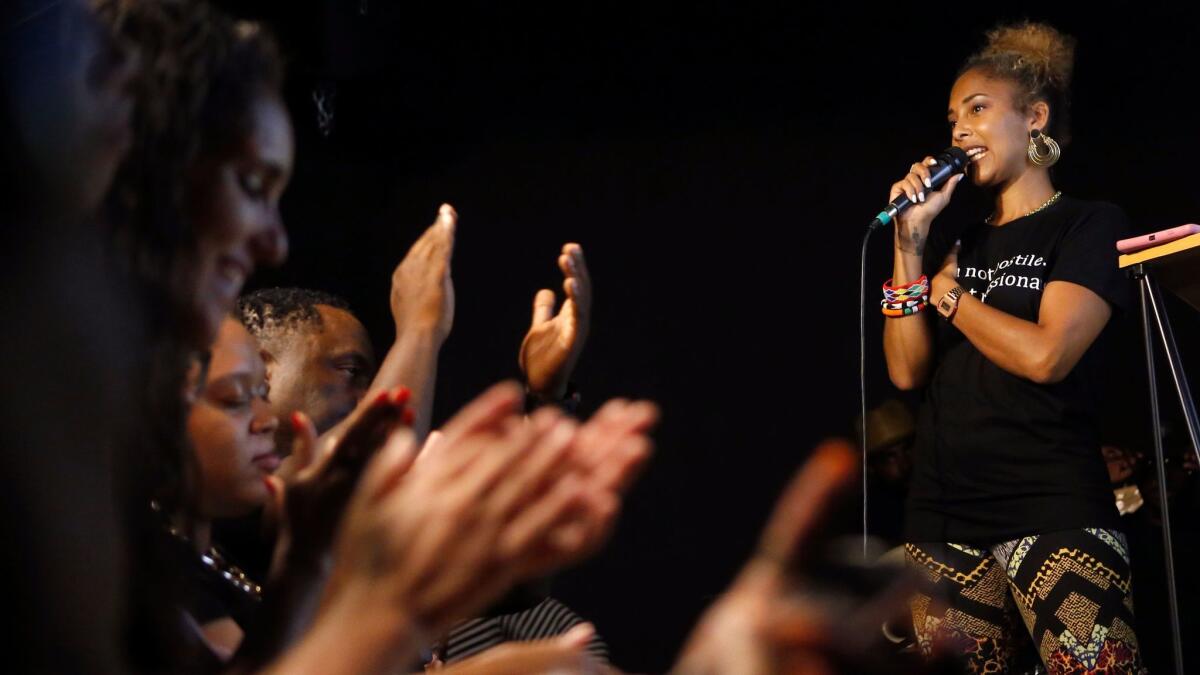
554 342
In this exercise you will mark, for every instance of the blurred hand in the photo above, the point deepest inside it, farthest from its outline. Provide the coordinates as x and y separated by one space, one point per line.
604 456
313 494
767 622
422 291
566 654
499 499
554 342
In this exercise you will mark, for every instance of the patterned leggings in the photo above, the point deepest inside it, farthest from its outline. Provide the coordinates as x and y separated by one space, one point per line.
1069 588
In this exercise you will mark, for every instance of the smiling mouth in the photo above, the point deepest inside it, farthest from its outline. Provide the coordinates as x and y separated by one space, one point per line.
267 461
976 153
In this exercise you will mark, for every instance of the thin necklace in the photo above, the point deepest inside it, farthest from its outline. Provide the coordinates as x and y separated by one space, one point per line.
214 561
1047 204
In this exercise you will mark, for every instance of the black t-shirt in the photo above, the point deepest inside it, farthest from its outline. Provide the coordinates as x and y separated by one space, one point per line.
998 456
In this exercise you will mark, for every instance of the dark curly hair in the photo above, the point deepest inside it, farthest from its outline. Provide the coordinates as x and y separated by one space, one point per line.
1040 61
268 310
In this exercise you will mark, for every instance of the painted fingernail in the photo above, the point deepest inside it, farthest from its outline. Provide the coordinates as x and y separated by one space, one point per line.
921 196
928 184
269 485
408 417
382 398
297 421
400 395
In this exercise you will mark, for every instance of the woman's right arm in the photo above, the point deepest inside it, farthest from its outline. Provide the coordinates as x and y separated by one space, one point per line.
908 340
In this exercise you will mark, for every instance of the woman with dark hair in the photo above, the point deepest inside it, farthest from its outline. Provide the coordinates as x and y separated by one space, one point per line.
192 212
195 209
1009 512
231 428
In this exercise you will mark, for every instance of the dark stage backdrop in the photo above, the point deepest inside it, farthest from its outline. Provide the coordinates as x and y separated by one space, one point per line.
718 163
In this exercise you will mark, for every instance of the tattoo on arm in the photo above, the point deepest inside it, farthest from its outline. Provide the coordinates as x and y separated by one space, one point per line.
912 243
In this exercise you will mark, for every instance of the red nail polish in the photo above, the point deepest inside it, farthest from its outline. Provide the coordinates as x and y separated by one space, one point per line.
269 485
409 417
401 395
297 421
382 398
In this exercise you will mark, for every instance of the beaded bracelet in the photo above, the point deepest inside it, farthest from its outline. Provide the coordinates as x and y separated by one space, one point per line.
907 311
905 303
911 289
905 300
923 280
906 292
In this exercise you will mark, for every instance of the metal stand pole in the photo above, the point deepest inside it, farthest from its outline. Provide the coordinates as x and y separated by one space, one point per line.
1151 302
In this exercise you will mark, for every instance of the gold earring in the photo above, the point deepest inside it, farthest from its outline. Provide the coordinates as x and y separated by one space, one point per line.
1039 158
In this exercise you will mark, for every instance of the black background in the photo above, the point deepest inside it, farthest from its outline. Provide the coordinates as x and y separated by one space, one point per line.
718 162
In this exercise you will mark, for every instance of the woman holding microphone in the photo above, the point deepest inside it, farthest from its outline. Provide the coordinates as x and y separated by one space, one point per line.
1009 511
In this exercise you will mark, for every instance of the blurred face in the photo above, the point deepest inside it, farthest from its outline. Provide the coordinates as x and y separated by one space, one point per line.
323 371
1121 463
72 109
985 121
232 428
891 464
236 206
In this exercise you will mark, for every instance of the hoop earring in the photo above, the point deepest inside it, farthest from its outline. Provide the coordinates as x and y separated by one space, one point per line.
1050 156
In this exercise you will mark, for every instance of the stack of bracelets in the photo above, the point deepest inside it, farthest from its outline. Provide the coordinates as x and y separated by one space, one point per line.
907 299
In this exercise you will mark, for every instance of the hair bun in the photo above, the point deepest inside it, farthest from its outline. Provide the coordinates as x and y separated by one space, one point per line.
1036 47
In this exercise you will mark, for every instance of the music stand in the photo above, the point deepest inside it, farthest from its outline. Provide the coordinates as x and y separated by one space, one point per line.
1173 264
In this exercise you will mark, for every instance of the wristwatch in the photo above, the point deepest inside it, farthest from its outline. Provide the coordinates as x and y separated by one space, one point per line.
948 305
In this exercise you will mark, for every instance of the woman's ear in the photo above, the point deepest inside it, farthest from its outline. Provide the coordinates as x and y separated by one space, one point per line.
1039 115
268 363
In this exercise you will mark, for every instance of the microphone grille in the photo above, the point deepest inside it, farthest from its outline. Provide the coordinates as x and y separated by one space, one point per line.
956 157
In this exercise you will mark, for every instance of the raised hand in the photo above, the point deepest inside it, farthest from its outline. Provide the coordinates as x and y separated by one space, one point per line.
313 496
554 342
422 302
769 621
422 290
499 499
606 454
309 505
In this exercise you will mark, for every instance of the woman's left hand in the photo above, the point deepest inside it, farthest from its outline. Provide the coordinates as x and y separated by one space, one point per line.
313 496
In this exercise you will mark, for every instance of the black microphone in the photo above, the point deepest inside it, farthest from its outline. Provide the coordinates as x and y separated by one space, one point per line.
950 161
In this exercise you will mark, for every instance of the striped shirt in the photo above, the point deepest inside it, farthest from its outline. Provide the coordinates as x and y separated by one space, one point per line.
547 619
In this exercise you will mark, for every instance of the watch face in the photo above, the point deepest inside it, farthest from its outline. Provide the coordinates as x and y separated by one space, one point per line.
945 307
